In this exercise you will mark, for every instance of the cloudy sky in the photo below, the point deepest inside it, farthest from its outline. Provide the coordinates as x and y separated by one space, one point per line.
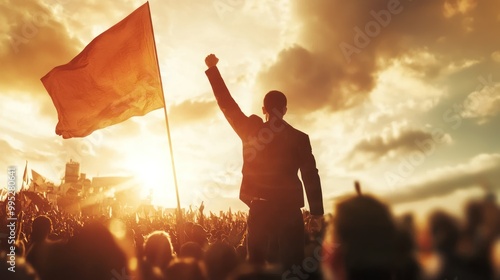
403 96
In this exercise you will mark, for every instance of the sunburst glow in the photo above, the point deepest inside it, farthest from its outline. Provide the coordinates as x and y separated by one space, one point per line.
152 172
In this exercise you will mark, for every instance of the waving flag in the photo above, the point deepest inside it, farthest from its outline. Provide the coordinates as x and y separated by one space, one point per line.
115 77
38 179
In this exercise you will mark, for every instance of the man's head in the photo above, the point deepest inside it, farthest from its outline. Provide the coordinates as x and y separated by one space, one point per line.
274 104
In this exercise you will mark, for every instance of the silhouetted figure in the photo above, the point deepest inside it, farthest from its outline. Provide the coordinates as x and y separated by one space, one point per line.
158 254
362 245
96 256
445 233
273 153
191 250
40 247
199 235
408 267
220 260
478 238
40 230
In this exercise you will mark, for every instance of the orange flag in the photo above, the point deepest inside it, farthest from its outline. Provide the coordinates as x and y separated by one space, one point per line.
115 77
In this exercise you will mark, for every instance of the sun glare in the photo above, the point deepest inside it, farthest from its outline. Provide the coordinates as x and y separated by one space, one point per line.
154 177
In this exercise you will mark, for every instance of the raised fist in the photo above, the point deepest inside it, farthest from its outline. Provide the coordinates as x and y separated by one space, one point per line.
211 60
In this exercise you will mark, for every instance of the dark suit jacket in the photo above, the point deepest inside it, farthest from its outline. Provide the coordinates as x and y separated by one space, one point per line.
273 152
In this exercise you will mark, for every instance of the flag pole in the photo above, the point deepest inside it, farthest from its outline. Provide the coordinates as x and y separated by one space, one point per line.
166 118
25 176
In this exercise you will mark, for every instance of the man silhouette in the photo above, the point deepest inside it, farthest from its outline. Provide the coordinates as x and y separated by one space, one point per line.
273 152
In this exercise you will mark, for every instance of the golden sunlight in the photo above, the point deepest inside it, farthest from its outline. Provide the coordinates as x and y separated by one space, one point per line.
153 173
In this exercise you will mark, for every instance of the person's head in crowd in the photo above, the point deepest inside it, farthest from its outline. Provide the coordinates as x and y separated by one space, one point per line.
199 235
96 255
191 250
407 222
40 228
462 256
22 269
406 234
158 249
445 232
362 241
188 228
473 215
220 259
408 267
185 269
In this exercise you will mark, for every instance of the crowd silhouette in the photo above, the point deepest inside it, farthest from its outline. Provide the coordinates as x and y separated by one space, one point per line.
362 239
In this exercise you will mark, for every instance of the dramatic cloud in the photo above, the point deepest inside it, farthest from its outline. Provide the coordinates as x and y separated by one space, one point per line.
393 142
335 60
483 104
482 170
307 79
32 37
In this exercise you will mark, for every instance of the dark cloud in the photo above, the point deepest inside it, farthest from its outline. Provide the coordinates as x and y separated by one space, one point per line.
373 149
341 46
481 170
34 42
307 80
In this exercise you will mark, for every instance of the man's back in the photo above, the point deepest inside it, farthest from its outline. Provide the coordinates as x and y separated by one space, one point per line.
273 153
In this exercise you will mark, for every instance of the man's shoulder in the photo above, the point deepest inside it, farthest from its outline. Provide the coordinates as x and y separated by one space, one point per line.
255 119
296 131
253 124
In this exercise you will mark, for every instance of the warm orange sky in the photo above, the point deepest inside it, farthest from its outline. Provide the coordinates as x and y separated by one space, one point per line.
425 78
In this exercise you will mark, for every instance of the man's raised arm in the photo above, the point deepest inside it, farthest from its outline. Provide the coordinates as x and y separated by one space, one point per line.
228 106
